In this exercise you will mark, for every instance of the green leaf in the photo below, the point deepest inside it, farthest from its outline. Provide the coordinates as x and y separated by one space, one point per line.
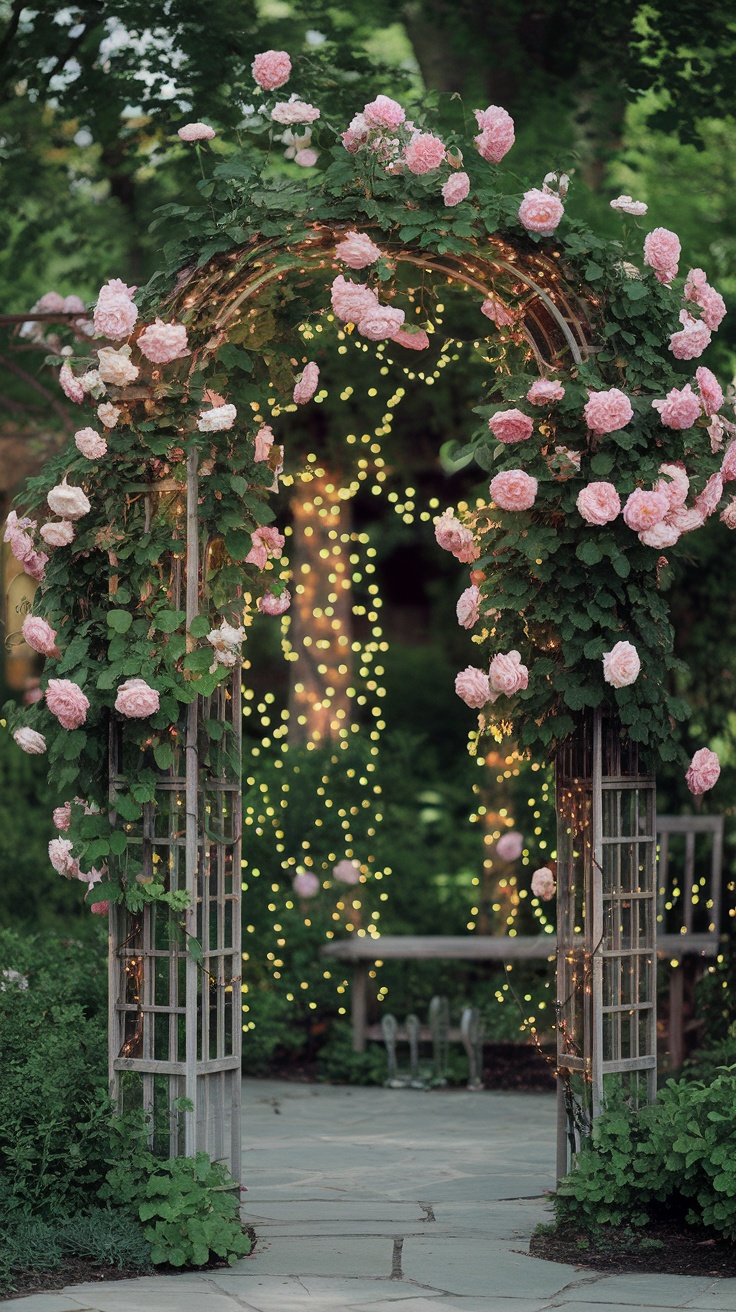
602 462
621 566
118 842
589 552
119 620
593 271
168 620
163 754
200 626
194 948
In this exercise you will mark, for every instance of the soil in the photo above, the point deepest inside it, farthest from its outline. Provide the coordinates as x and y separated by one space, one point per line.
662 1247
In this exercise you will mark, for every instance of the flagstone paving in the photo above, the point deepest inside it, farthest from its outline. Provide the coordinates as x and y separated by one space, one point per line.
393 1200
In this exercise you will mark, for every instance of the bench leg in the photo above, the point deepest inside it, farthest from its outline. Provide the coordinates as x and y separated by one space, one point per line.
360 1005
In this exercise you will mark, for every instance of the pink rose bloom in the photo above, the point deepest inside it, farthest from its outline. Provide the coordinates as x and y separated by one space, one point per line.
511 426
114 315
163 342
357 250
599 503
496 133
264 442
90 444
710 390
510 846
306 158
472 685
381 323
115 287
607 412
68 501
115 366
468 607
294 111
540 211
712 304
63 817
351 300
513 490
100 908
67 702
195 132
455 537
417 340
29 741
621 665
383 112
728 514
32 696
424 153
270 604
348 872
136 699
305 884
685 520
703 771
675 484
692 339
506 674
271 69
35 565
21 542
498 313
625 205
456 189
266 541
662 252
680 408
707 501
728 465
356 134
108 414
50 303
662 535
543 884
70 386
39 635
57 535
645 509
544 391
217 420
307 384
60 856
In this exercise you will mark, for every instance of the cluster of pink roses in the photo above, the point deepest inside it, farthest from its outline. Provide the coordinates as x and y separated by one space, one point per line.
383 129
506 676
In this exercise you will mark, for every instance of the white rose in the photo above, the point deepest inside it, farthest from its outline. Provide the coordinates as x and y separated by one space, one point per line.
213 421
69 502
30 741
116 367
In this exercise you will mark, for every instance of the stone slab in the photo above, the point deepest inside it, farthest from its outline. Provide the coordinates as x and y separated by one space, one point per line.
316 1294
481 1267
47 1303
186 1293
352 1256
645 1290
720 1297
340 1209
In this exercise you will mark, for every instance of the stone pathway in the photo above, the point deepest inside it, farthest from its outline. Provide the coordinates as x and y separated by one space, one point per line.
380 1200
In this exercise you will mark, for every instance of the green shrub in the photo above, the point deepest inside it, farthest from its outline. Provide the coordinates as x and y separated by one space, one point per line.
339 1064
107 1236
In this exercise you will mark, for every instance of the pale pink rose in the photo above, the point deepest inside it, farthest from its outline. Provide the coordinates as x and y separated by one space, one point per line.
108 414
136 699
472 685
507 675
455 537
217 420
675 484
498 313
71 386
511 426
115 316
607 412
93 384
645 509
30 741
540 211
115 287
271 69
510 846
195 132
90 444
21 542
703 771
728 465
67 702
352 300
680 408
662 535
265 542
383 112
348 872
270 604
621 665
414 340
381 323
306 158
496 135
305 884
356 134
294 111
468 607
116 366
625 205
39 635
60 856
163 342
685 520
68 501
50 303
711 393
544 391
35 565
707 501
728 514
100 908
227 642
74 305
712 304
513 490
62 817
424 153
692 340
263 443
57 535
599 503
306 384
662 252
456 189
543 884
357 250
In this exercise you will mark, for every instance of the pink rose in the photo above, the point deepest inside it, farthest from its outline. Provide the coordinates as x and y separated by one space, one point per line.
712 304
57 535
414 340
544 391
218 419
510 846
381 323
60 856
707 501
70 386
352 300
21 542
662 252
645 509
728 514
607 412
496 135
108 414
540 211
507 675
543 884
305 884
271 69
662 535
115 366
263 443
356 134
456 189
625 205
679 409
265 542
711 393
294 111
35 565
348 872
498 313
513 490
455 537
90 444
468 607
29 741
136 700
62 817
621 665
306 158
307 384
675 484
383 112
685 520
728 465
270 604
472 685
115 315
424 153
100 908
703 771
599 503
511 426
39 635
49 303
163 342
194 132
692 340
357 250
67 702
115 287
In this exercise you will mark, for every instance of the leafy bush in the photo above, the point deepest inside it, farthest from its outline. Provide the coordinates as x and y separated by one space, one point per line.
107 1236
339 1064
